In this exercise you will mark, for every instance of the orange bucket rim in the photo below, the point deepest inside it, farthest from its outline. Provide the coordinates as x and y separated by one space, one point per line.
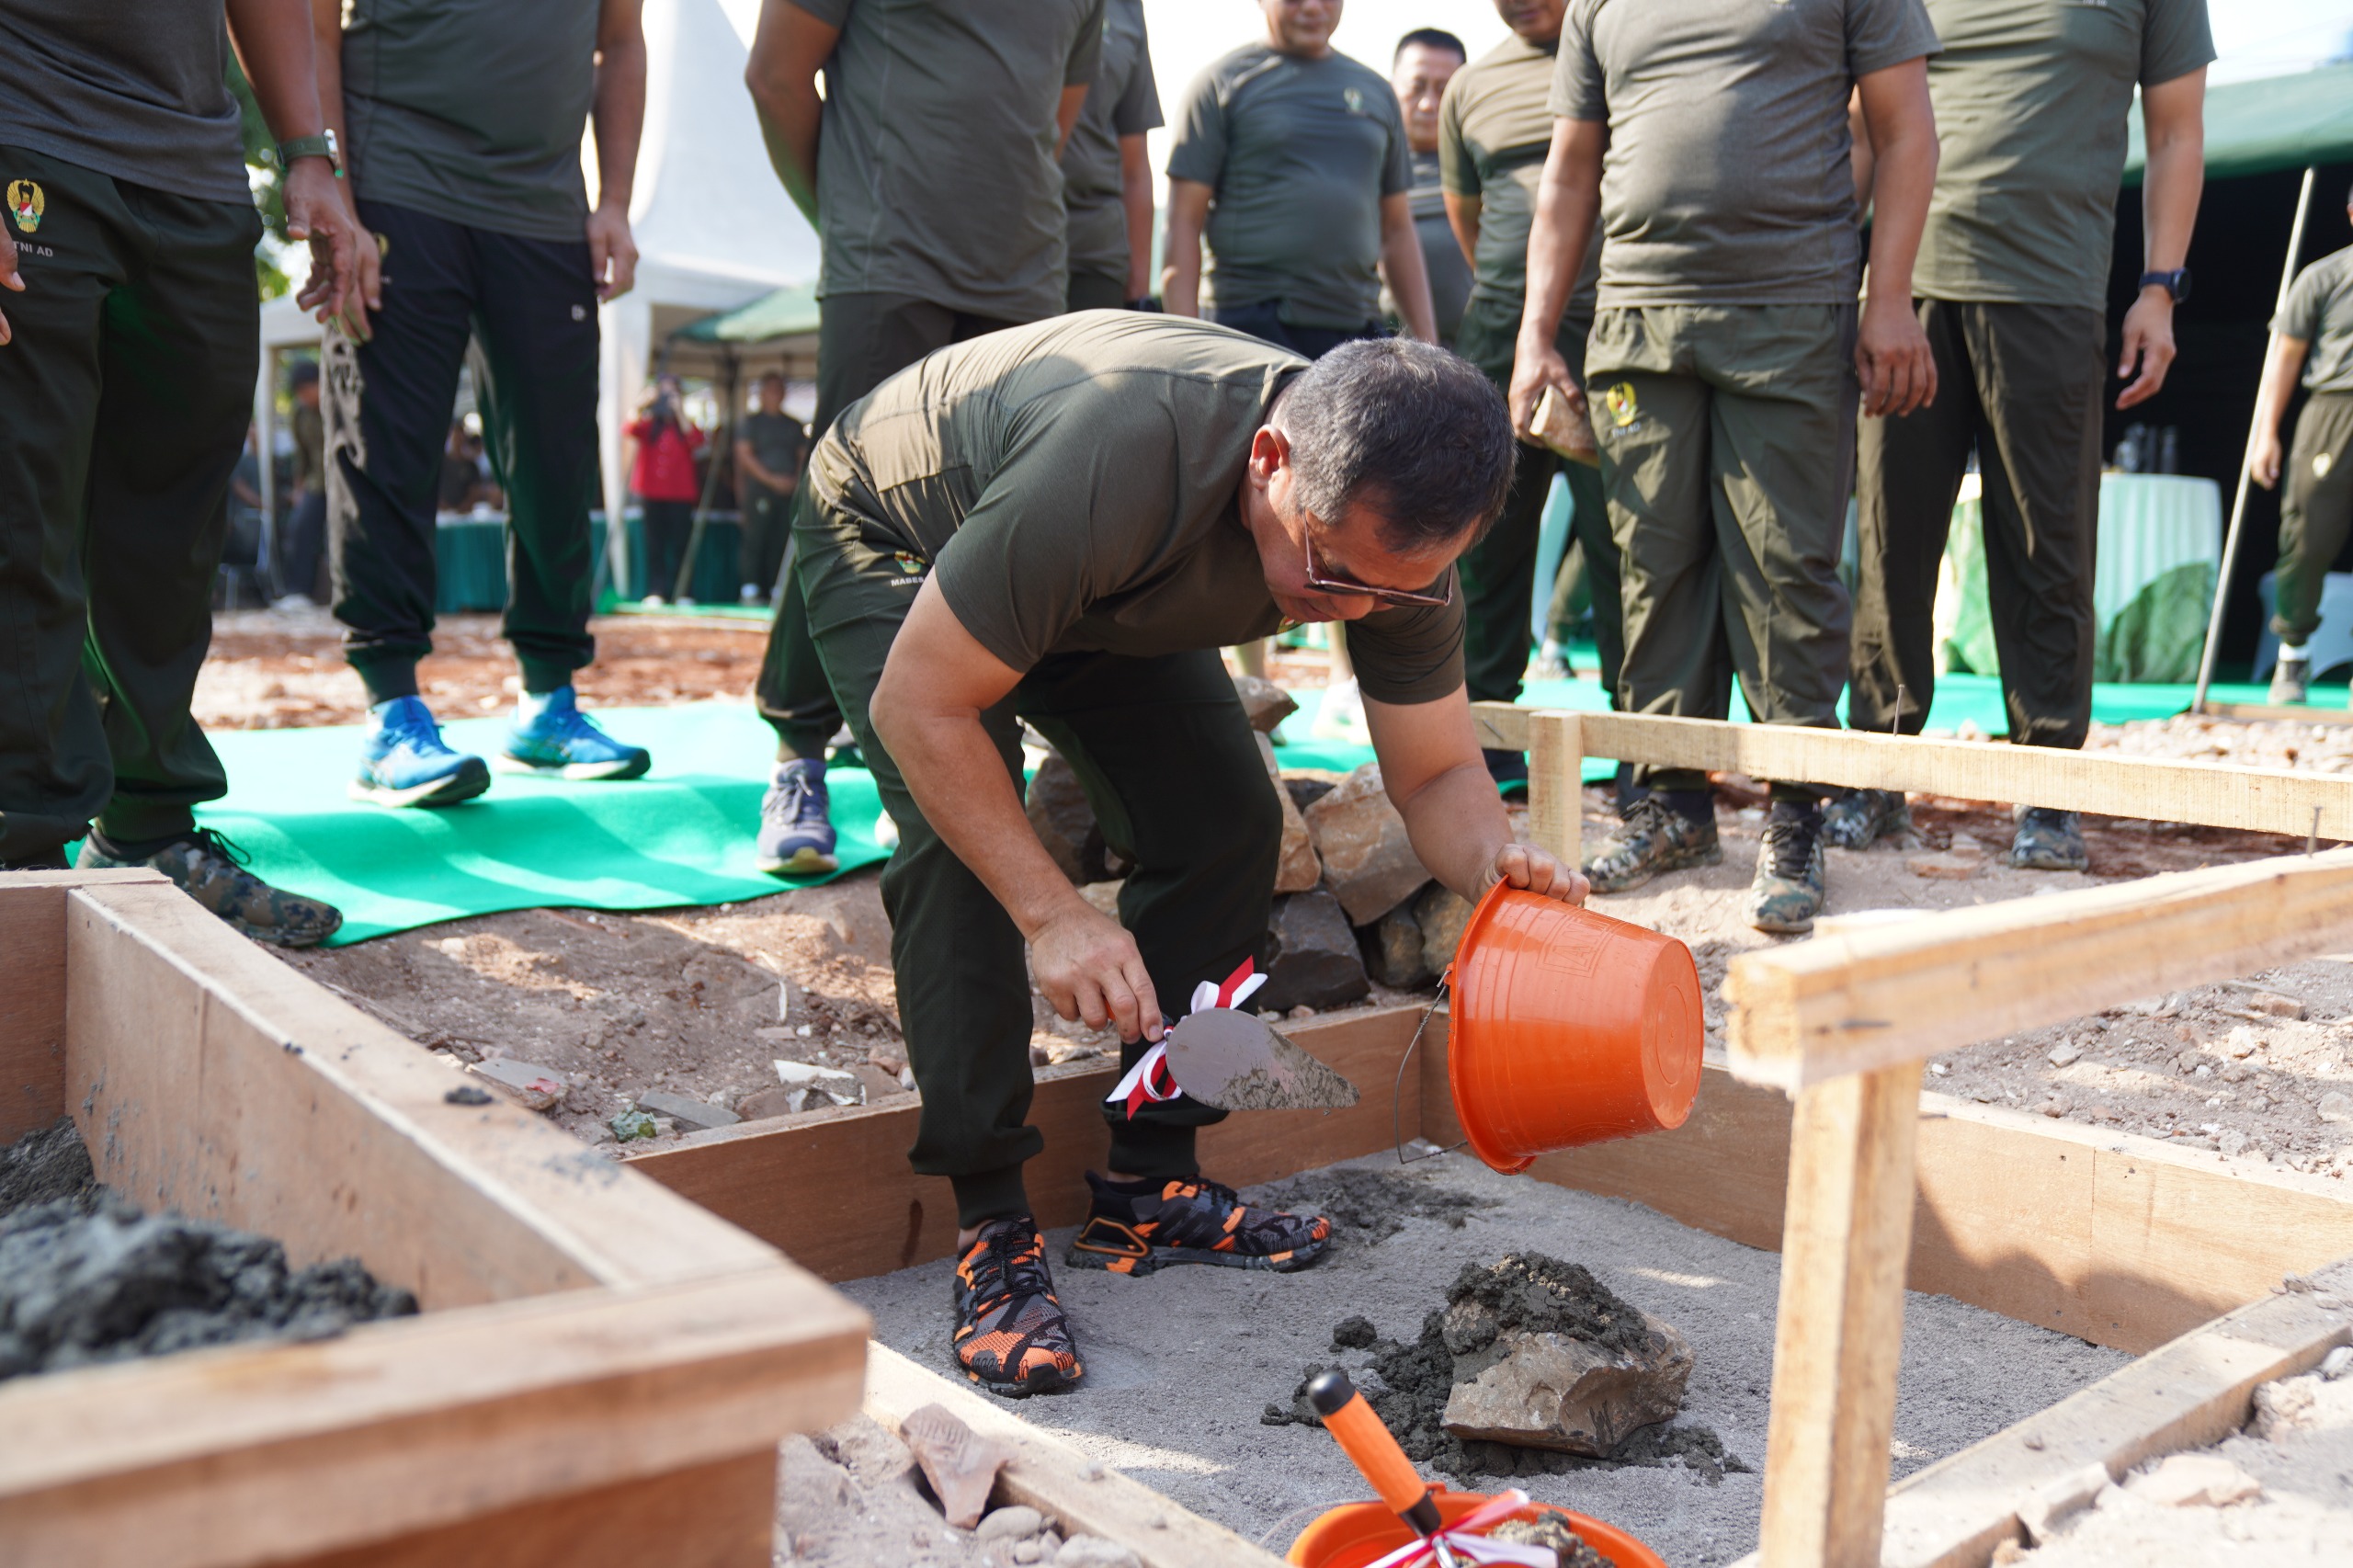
1621 1545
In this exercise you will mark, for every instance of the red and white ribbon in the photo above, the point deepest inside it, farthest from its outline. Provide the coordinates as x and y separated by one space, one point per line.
1149 1078
1465 1541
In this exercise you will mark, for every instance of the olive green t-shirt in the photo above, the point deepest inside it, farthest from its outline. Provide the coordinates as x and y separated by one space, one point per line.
1124 101
2319 311
1729 179
1493 128
936 160
1448 273
1299 154
776 439
472 110
1074 485
135 92
2032 98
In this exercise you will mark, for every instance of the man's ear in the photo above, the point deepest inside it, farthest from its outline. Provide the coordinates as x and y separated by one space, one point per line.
1269 454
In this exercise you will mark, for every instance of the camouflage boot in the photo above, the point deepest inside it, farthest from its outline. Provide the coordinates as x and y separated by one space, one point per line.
1655 837
1787 892
1859 818
212 870
2049 841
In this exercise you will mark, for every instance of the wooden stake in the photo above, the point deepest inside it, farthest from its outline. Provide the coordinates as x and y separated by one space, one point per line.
1556 784
1841 1325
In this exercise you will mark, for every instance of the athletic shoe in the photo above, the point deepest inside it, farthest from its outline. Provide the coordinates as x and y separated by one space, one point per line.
406 763
1509 770
1786 894
1011 1336
796 835
1137 1227
2291 681
1654 837
1860 817
2049 841
561 742
212 870
39 860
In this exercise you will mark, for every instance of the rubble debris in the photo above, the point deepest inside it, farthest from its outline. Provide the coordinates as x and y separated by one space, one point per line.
1264 704
2183 1480
1552 1528
1368 861
960 1464
1313 957
1393 950
43 1165
696 1116
528 1084
1547 1357
1367 1207
632 1124
1298 870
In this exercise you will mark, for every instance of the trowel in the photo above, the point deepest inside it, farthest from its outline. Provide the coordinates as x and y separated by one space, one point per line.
1232 1059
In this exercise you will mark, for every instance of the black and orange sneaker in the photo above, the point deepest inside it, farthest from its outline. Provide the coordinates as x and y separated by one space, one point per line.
1011 1336
1139 1226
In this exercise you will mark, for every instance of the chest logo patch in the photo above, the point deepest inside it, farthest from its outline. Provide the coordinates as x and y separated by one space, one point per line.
1619 401
911 567
25 204
2321 465
1354 98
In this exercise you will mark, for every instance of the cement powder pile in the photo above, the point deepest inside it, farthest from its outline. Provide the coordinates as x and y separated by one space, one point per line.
87 1277
1182 1364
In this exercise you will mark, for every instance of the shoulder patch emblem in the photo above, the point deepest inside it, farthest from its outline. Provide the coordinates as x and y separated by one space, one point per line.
1619 401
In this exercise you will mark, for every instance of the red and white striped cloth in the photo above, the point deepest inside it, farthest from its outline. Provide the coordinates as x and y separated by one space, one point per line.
1149 1078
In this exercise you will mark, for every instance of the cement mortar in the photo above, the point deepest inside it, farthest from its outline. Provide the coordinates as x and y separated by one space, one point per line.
1180 1364
1555 1532
45 1165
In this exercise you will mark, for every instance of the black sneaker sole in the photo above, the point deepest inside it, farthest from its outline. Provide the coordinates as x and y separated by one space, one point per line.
1151 1259
1051 1382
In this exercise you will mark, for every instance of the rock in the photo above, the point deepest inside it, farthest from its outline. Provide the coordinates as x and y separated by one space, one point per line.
1306 789
2273 1005
1393 949
820 1086
1264 703
1947 866
2065 1053
960 1465
1552 1389
2284 1408
1442 914
2241 1043
698 1116
2337 1106
1019 1522
1065 822
1312 955
2336 1363
1093 1551
1354 1334
1298 870
1361 840
528 1084
2231 1142
2060 1498
2186 1481
877 1084
632 1124
889 1055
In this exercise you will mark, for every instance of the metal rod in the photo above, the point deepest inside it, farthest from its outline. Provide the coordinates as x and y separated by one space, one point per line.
2246 461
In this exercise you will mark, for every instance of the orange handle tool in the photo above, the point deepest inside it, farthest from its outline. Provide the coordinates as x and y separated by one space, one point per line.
1373 1450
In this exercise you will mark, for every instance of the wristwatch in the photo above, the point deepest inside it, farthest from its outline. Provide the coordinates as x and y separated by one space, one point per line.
323 146
2176 283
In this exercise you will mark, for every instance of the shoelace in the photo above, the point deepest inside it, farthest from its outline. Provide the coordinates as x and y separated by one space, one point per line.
1790 843
799 796
212 842
1010 1266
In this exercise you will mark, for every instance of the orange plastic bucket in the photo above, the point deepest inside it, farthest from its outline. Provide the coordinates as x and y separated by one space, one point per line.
1567 1028
1355 1534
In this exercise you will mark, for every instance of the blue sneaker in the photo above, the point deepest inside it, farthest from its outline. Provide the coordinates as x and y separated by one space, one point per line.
405 762
796 828
552 738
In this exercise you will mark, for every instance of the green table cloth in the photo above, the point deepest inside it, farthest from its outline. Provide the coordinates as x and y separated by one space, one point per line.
470 551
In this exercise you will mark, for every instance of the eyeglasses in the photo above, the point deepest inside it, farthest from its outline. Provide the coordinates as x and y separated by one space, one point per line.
1317 580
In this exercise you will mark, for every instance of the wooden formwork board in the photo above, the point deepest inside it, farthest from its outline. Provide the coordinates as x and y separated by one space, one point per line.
602 1372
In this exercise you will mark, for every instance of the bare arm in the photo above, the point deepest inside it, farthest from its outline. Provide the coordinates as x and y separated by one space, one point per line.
1402 270
1858 132
2282 363
1891 355
1463 216
617 119
1432 772
1066 115
2172 118
1180 272
926 710
1568 197
1135 197
789 49
273 40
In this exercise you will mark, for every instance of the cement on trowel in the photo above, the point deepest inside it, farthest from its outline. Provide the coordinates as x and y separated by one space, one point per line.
1180 1364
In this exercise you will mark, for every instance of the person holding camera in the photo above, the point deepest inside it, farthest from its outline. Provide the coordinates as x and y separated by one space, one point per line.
661 476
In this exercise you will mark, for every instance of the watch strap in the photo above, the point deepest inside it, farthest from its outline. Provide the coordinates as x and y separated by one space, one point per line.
320 146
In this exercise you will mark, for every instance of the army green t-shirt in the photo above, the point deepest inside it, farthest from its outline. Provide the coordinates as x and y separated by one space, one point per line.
1493 128
1124 101
1074 484
472 110
1299 154
2032 98
776 439
2319 311
135 92
1448 273
936 160
1729 179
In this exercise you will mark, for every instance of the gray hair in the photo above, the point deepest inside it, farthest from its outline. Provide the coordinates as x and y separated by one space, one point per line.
1405 428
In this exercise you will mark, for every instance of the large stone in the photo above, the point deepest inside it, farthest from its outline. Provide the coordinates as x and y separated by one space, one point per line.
1267 703
1555 1390
1441 914
1313 960
1065 822
960 1465
1298 870
1368 861
1393 949
698 1116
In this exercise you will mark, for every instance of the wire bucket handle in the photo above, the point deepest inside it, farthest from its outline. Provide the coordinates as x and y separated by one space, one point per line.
1397 1092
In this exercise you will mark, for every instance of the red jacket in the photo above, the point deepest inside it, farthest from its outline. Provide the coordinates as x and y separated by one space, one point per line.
664 467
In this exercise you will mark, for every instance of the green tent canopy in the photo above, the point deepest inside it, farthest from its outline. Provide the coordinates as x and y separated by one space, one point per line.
789 312
2278 122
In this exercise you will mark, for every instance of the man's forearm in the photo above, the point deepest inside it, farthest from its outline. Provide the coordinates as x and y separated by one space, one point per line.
1135 197
1568 195
273 42
617 114
1904 177
1180 275
2282 363
326 63
1402 269
1462 214
2175 180
1457 825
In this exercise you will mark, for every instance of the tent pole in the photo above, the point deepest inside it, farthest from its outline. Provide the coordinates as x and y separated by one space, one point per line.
2246 461
727 397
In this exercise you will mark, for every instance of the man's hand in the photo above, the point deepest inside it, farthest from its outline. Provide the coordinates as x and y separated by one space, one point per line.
1089 967
343 277
2148 346
1533 367
1893 359
612 251
2263 458
1539 871
8 279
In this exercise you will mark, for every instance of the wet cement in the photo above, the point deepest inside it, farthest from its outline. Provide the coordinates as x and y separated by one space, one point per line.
87 1277
1553 1530
1181 1364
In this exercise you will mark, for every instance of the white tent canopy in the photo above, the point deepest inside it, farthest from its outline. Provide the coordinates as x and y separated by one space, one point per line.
714 229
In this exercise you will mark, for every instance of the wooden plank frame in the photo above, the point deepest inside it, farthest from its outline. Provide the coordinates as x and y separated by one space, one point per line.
603 1370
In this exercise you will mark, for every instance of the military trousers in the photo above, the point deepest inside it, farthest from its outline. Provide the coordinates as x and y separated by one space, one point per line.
125 396
2316 511
2019 386
1172 767
1727 440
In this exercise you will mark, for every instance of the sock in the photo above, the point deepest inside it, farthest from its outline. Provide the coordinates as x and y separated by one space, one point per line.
532 704
387 681
131 848
1698 806
1796 811
543 680
2292 651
